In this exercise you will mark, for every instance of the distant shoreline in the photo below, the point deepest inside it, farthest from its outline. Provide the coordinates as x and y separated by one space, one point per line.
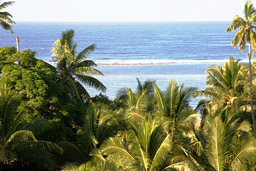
155 62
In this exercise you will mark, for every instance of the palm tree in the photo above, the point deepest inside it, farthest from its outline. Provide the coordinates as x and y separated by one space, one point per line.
144 147
147 85
226 85
246 35
174 103
5 17
19 144
220 143
100 124
72 66
138 101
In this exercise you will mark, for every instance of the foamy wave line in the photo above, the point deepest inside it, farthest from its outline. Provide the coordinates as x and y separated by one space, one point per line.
160 62
157 62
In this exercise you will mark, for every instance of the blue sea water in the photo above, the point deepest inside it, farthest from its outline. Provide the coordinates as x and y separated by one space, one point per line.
179 50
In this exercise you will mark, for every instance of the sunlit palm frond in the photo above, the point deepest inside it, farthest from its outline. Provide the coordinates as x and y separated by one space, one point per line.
183 159
118 151
216 137
131 99
253 40
20 136
238 22
161 153
226 84
179 166
241 159
215 77
248 10
57 50
242 42
161 106
86 71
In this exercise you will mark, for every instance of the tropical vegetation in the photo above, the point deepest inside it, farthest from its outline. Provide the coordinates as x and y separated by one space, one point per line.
5 17
48 121
246 36
71 66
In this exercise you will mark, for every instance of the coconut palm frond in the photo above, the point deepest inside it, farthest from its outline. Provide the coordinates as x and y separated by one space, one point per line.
71 152
73 167
8 112
68 38
82 91
238 22
92 82
241 159
5 17
84 63
179 166
183 159
159 100
118 151
86 71
162 152
84 53
73 88
147 85
44 145
217 147
21 136
6 4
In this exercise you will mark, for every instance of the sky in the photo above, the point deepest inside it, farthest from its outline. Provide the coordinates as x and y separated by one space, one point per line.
126 10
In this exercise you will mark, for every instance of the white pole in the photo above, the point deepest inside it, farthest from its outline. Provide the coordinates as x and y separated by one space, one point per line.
18 44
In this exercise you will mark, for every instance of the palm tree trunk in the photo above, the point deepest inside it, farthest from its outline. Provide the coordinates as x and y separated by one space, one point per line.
250 72
18 43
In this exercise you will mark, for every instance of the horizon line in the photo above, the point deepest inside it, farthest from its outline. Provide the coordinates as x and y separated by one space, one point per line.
122 22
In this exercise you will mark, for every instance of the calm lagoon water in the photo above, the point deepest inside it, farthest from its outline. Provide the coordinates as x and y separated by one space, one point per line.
117 77
187 49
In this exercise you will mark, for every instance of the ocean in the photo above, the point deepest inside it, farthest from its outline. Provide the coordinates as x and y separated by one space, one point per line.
126 51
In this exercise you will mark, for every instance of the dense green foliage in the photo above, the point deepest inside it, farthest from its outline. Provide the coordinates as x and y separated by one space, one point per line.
148 129
246 36
48 121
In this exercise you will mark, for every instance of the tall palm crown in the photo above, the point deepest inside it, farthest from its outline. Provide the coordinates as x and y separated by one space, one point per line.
5 17
246 35
226 84
73 66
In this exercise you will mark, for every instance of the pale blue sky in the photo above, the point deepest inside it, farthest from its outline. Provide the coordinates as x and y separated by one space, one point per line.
126 10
